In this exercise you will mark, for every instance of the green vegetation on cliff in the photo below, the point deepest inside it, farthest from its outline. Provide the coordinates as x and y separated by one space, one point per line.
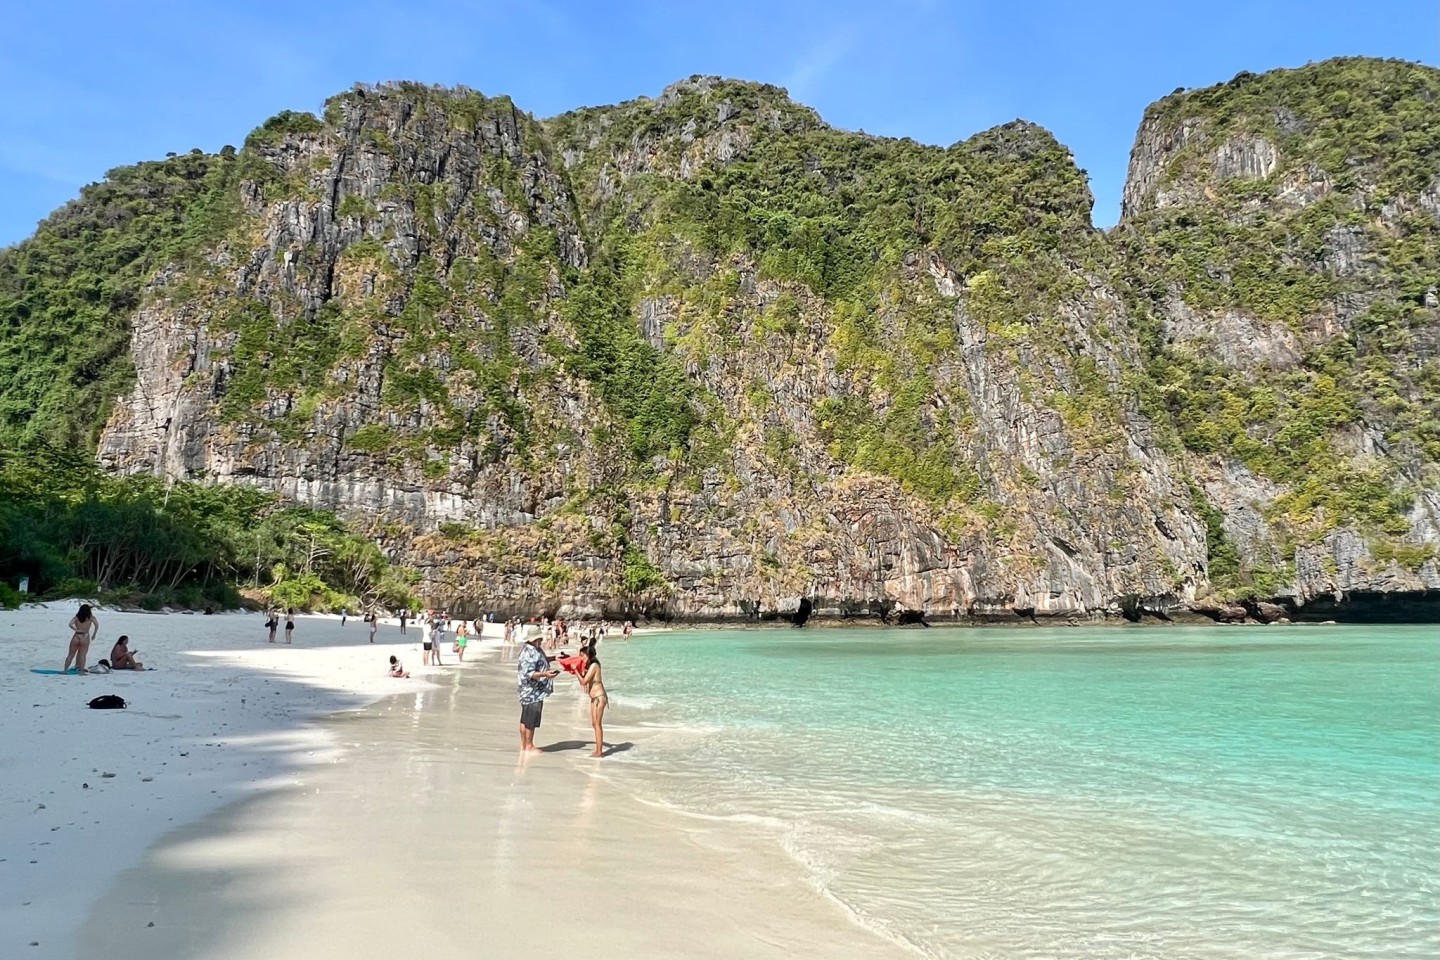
682 301
75 531
1292 205
835 215
67 294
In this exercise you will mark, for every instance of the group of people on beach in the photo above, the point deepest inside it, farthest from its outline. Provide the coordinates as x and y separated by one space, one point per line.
556 633
435 626
272 622
536 672
535 677
84 628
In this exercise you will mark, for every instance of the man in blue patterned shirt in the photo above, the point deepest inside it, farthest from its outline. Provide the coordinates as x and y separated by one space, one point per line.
535 683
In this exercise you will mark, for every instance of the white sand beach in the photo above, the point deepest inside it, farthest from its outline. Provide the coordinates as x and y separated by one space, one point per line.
222 716
234 826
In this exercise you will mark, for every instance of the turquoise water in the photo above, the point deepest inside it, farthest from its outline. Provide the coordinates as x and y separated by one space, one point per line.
1174 792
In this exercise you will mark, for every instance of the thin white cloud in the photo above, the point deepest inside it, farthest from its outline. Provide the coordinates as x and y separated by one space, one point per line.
816 61
46 161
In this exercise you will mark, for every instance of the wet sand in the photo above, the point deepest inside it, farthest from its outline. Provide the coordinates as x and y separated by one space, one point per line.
430 836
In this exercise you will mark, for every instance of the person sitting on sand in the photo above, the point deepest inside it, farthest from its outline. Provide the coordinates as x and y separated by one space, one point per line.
83 627
397 669
122 657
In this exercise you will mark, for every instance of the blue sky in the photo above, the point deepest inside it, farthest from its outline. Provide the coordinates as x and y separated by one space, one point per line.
92 85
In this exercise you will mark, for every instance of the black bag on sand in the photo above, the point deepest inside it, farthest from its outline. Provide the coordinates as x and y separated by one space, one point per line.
108 702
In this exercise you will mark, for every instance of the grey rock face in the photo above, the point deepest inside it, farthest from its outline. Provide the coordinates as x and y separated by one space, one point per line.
441 229
1239 339
1245 158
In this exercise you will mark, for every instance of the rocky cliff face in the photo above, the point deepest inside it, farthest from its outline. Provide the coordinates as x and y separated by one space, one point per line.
703 355
1284 251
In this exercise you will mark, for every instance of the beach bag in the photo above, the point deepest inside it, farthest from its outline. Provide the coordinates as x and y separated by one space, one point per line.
108 701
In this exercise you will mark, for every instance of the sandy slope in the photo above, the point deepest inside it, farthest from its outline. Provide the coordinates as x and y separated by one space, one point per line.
84 792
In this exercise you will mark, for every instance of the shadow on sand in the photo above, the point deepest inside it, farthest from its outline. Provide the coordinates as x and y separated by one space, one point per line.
561 745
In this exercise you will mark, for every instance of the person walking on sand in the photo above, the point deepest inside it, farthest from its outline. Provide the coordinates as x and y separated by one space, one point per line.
535 680
462 638
344 613
289 624
594 685
83 628
273 623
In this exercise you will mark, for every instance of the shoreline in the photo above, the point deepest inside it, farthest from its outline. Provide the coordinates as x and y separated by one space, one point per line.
223 716
1222 614
469 850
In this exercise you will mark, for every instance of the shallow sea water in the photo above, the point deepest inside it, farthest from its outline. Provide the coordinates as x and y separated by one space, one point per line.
1101 793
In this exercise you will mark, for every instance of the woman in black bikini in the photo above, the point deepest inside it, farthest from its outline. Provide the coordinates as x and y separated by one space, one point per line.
83 627
289 624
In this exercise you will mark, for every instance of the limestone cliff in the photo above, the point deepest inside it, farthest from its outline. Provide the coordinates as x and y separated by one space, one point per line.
1282 236
703 355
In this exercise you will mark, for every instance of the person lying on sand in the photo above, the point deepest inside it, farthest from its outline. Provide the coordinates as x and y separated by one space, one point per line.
397 669
122 657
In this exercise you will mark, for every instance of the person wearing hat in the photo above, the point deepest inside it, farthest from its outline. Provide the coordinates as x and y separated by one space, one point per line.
535 682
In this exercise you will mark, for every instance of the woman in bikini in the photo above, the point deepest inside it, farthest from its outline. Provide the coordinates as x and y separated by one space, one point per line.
122 657
83 627
594 685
